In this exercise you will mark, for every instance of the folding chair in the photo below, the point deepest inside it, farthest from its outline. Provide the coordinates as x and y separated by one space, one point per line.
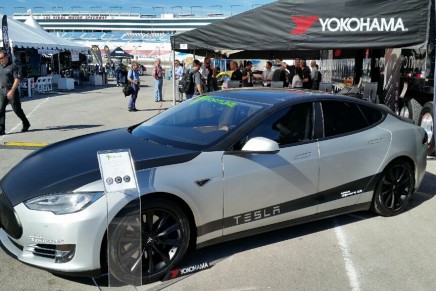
276 84
370 92
344 90
233 84
39 84
325 87
49 83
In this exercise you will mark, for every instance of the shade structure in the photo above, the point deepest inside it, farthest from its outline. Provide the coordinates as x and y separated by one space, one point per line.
282 27
31 35
119 53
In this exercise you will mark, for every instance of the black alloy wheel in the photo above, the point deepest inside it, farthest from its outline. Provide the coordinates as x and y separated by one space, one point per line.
394 189
144 247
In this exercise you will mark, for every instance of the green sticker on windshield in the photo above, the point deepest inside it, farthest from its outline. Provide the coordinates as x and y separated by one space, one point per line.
215 100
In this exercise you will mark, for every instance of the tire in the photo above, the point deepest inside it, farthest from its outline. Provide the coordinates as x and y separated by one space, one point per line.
164 241
426 121
411 109
394 189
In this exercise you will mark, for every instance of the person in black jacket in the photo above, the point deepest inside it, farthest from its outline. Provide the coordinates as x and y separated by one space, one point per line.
9 81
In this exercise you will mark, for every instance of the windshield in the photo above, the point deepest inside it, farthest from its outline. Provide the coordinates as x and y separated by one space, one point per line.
197 122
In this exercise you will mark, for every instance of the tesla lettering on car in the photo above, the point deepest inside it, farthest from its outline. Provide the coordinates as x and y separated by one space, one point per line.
256 215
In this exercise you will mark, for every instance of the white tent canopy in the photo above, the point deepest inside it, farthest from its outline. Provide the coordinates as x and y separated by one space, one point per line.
31 35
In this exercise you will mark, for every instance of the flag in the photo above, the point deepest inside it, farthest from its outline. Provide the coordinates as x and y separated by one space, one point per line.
6 45
108 54
97 54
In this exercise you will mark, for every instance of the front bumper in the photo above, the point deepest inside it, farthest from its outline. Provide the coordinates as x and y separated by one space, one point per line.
69 244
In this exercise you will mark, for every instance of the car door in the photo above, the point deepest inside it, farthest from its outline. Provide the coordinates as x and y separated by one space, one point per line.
351 153
261 189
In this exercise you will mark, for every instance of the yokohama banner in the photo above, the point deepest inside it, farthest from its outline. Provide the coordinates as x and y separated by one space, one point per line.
314 25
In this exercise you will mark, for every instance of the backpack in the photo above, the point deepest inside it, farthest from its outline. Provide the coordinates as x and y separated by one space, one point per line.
319 77
186 83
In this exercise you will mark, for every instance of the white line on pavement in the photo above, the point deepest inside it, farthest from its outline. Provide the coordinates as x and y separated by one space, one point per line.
30 114
349 266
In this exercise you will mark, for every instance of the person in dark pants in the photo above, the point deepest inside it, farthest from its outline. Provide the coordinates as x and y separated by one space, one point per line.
133 78
9 82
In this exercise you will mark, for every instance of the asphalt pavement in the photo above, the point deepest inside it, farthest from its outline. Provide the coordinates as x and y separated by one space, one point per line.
359 251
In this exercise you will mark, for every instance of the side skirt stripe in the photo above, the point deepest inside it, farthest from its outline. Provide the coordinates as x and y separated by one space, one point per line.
343 191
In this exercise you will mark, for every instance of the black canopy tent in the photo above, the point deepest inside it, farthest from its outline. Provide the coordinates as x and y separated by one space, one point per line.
281 27
119 53
301 28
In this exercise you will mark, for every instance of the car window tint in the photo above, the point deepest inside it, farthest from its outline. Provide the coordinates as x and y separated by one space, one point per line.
372 115
342 118
287 126
201 121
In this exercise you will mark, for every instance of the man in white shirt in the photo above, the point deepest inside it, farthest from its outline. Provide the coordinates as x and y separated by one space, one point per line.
178 74
314 75
267 75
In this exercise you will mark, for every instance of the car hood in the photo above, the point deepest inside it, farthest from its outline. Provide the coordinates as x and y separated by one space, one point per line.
69 164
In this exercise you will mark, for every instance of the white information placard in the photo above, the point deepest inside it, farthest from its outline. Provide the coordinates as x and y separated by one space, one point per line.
117 170
183 46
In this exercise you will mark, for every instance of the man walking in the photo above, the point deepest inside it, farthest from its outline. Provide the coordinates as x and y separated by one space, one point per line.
9 82
158 80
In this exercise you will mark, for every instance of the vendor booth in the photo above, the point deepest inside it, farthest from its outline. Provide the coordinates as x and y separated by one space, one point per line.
34 48
361 47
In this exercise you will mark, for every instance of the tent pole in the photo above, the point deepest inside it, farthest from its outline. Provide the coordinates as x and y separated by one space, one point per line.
59 63
12 50
434 84
174 77
173 52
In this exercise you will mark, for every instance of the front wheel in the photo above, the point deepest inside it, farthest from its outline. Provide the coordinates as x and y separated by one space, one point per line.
164 238
394 189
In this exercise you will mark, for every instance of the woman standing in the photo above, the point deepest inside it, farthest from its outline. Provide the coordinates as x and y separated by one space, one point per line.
297 81
133 78
158 75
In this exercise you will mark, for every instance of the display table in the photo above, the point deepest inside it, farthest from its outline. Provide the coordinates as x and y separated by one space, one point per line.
96 80
55 78
66 84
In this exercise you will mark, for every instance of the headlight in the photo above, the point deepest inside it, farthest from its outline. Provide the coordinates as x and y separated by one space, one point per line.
63 203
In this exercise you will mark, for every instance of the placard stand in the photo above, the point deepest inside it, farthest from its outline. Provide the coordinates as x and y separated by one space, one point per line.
124 246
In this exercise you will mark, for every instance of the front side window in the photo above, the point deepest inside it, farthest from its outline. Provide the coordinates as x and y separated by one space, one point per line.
288 126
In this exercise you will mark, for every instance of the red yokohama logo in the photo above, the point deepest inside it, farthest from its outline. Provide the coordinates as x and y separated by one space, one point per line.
303 23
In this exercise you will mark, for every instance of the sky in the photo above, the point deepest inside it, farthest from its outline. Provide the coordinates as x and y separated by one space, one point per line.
198 7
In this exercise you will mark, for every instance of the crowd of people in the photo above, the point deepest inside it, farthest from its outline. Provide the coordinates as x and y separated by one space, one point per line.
201 77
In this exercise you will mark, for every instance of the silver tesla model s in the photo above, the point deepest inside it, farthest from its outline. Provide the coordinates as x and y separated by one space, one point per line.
217 167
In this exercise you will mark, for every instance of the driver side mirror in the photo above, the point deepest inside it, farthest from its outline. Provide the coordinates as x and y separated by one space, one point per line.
261 145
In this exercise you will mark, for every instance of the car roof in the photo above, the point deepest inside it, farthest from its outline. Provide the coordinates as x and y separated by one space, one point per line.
272 96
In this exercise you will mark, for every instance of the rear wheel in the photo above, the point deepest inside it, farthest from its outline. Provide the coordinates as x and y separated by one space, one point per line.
426 120
411 109
394 189
165 235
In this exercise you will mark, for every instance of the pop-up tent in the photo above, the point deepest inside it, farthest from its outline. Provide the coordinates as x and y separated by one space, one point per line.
29 35
278 29
119 53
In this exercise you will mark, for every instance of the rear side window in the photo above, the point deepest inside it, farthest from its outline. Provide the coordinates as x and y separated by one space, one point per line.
342 118
372 115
